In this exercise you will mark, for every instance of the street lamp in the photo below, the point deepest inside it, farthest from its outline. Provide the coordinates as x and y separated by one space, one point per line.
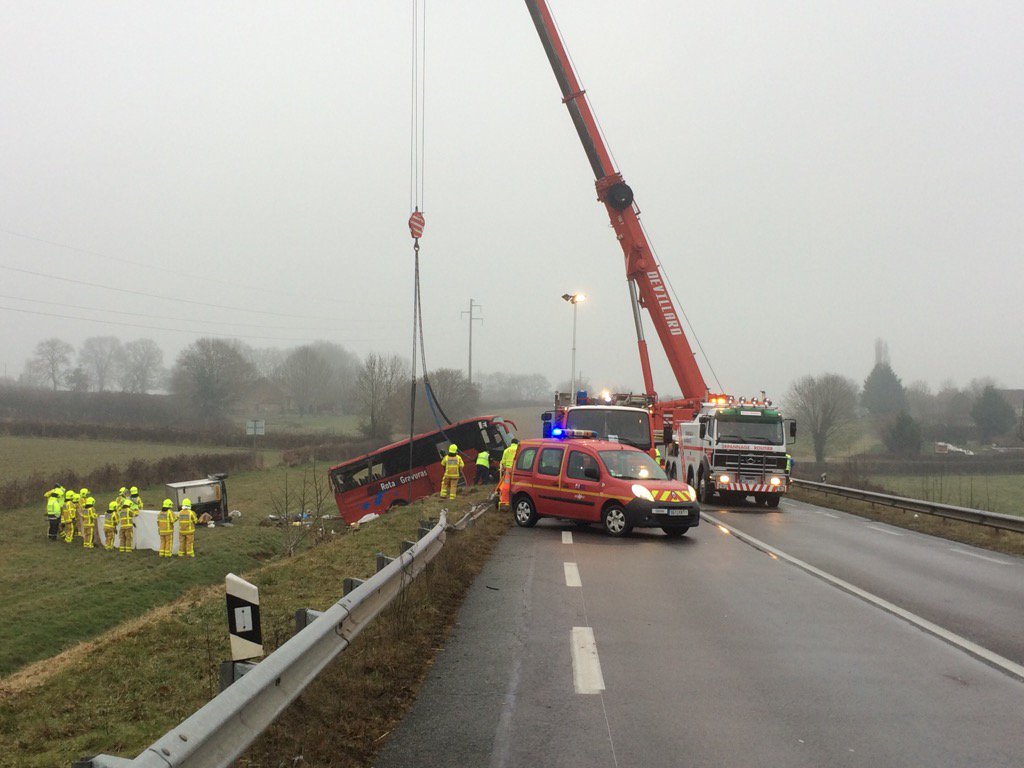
574 299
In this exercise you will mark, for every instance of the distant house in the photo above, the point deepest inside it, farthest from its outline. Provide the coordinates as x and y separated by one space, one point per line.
264 397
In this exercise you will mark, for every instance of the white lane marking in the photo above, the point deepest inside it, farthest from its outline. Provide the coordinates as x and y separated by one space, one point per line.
980 557
586 666
880 529
567 537
572 575
979 652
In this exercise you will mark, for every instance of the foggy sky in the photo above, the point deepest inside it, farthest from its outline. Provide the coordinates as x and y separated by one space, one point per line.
813 175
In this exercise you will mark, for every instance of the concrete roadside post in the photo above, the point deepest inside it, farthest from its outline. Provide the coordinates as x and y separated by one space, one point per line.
243 606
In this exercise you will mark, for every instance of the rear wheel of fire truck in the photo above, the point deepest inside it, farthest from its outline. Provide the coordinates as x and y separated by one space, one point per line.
773 500
704 490
615 521
524 511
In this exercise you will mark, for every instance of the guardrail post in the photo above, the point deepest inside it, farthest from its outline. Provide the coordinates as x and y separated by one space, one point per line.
406 546
232 671
424 529
102 761
349 584
304 617
382 561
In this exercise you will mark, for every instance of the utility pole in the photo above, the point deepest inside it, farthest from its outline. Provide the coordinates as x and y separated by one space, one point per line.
472 317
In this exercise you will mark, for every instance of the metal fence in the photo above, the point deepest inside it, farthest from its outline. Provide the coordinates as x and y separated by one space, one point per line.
948 511
221 730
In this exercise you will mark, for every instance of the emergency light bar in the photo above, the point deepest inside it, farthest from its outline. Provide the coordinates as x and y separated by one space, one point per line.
571 433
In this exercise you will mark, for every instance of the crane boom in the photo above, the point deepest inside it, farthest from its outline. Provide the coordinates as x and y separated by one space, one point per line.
647 286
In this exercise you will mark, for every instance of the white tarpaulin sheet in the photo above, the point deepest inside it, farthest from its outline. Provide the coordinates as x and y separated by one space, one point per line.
146 536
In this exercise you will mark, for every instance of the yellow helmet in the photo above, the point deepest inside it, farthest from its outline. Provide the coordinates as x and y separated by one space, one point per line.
122 490
84 492
168 503
90 502
112 506
126 504
69 494
453 448
186 504
135 491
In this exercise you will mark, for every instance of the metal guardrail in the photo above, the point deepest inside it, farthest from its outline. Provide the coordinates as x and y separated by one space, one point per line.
221 730
948 511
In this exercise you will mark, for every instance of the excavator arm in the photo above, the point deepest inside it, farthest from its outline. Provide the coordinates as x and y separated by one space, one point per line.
647 287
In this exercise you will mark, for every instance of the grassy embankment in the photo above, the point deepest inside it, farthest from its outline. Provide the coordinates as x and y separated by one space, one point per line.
993 493
89 700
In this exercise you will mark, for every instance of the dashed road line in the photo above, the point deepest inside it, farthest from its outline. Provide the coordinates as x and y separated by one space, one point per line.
586 666
567 537
880 529
572 575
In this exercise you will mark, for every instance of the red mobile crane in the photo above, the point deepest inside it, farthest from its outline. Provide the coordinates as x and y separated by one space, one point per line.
647 287
719 444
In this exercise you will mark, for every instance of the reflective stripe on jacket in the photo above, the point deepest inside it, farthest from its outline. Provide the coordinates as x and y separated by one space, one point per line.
452 465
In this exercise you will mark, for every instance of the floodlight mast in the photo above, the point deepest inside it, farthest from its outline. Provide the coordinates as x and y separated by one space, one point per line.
647 287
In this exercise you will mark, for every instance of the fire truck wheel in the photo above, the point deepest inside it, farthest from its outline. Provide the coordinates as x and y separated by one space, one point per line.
704 489
616 523
774 500
525 513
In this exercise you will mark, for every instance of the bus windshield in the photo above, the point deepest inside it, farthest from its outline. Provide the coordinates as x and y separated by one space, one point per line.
631 426
749 431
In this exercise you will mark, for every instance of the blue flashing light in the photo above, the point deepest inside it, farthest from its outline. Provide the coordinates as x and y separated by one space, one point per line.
557 432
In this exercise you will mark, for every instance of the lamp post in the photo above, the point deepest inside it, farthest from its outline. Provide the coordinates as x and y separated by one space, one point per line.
574 299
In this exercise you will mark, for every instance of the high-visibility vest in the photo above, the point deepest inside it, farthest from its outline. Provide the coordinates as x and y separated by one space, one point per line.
165 522
124 517
452 464
68 511
88 515
110 521
483 459
186 521
53 507
508 457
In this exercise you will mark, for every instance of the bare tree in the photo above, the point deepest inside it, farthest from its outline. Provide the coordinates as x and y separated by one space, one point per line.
50 364
455 393
99 356
268 362
304 503
377 384
823 405
140 366
309 379
212 375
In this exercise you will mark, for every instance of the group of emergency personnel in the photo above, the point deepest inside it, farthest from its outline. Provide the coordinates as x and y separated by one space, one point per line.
453 464
72 513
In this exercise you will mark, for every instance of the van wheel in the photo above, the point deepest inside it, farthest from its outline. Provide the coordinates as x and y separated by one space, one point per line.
525 514
616 523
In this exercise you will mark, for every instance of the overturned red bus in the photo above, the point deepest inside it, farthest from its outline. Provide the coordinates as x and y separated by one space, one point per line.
394 476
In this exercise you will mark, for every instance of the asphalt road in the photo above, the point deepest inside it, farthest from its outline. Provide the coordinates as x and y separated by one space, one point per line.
707 651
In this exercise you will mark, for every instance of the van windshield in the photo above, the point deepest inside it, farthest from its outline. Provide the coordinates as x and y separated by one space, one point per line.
631 465
632 427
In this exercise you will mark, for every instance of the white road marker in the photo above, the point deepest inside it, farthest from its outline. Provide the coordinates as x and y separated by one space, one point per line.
586 666
884 530
567 537
572 575
979 652
980 557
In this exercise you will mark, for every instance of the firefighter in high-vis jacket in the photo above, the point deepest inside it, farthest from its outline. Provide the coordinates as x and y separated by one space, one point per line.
452 465
136 499
508 458
88 522
110 525
186 529
52 514
126 526
67 517
83 495
165 519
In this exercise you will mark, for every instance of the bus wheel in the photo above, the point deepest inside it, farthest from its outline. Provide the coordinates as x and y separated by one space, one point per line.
525 513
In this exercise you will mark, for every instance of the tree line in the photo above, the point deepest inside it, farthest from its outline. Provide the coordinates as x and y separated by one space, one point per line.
217 377
904 417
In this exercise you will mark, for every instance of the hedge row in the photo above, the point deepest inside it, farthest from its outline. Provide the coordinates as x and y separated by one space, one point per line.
107 479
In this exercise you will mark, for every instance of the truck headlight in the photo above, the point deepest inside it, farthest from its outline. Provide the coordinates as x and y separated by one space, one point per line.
642 492
724 479
775 481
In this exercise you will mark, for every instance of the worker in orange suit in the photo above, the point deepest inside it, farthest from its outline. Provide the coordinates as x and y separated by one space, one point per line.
126 526
186 529
88 522
452 465
110 525
165 520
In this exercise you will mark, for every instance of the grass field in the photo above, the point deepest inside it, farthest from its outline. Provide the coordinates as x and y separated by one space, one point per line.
21 456
291 423
993 493
57 594
90 701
